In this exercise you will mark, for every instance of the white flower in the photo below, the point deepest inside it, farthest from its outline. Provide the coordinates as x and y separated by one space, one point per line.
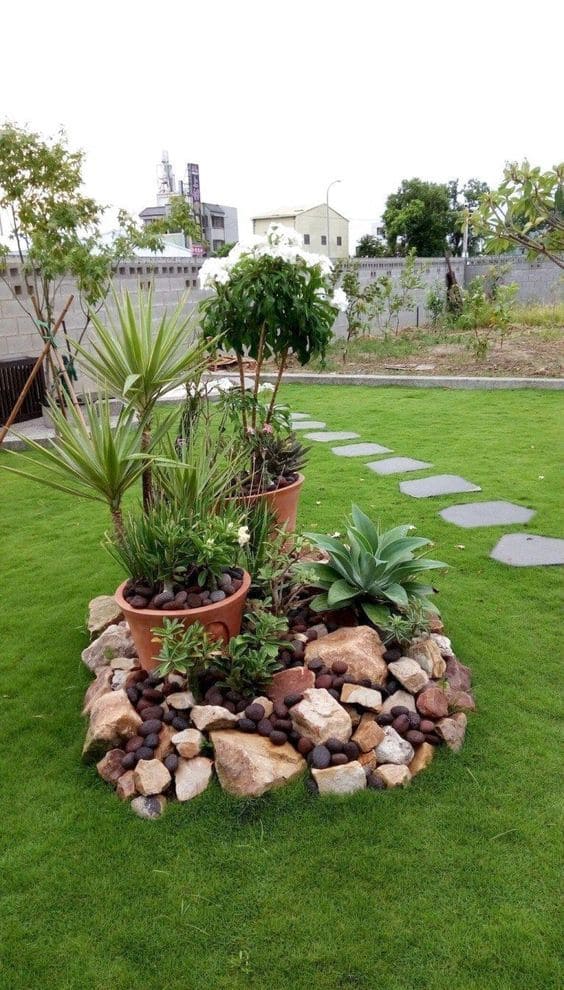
340 300
243 536
214 271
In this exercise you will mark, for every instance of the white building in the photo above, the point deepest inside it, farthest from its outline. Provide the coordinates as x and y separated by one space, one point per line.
324 230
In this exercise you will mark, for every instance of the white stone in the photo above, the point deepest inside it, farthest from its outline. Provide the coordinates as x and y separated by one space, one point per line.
103 611
319 717
394 749
211 717
181 700
409 673
403 698
393 774
444 644
341 780
192 777
248 765
428 655
115 641
354 694
188 743
151 777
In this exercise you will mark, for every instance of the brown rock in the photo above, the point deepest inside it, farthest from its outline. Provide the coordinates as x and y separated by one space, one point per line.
124 663
102 612
149 807
164 747
409 673
393 774
423 756
436 624
398 699
192 777
453 730
151 777
249 765
112 719
360 647
444 644
432 703
188 742
115 641
295 680
458 676
428 655
210 717
462 701
125 787
354 714
100 686
354 694
319 717
368 760
346 779
109 767
368 734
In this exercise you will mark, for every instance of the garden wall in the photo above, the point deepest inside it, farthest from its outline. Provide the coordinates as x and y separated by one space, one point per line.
171 278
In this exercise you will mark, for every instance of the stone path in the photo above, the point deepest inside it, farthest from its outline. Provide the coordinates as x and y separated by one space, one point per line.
515 549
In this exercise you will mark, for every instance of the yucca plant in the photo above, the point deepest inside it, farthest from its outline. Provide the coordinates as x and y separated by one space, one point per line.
139 358
370 568
91 457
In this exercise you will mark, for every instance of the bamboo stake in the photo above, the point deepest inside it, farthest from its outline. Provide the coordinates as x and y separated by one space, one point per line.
33 373
56 359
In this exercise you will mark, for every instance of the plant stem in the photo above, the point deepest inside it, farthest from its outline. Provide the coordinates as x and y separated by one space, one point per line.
117 518
260 358
242 384
147 476
281 367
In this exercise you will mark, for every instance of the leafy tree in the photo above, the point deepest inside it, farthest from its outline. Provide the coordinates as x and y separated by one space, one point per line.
54 228
465 200
419 217
178 218
527 211
360 308
371 247
224 250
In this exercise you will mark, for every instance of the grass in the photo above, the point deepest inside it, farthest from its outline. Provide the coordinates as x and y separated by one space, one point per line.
450 885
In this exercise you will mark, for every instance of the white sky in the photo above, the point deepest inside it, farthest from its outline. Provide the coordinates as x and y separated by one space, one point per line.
275 100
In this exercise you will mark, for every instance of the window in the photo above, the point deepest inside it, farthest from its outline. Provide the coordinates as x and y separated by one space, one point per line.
194 283
339 241
324 239
217 222
18 290
306 238
217 245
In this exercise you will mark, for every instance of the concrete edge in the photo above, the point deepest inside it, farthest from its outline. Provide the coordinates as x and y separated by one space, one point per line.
419 381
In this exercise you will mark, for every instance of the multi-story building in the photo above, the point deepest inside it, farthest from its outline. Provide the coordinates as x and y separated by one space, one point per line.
324 230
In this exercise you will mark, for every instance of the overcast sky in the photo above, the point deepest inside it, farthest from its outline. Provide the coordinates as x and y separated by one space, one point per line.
275 100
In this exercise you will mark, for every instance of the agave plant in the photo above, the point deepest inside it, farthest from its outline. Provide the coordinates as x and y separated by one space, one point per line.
91 457
372 568
139 358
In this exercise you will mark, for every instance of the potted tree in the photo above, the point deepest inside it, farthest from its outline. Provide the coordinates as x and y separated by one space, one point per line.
272 299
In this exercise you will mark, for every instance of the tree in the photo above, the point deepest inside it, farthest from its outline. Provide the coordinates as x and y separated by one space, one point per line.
419 217
54 228
527 211
465 200
359 310
178 219
371 247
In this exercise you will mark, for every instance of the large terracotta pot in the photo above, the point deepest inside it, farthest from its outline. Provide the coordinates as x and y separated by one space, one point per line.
283 503
222 620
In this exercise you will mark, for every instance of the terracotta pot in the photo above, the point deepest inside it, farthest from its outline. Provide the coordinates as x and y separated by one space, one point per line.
222 620
283 503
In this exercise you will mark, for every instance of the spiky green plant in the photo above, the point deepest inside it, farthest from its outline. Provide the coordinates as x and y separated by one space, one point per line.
139 358
90 457
371 568
185 649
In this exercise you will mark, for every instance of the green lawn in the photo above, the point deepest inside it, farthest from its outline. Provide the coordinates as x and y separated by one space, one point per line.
451 884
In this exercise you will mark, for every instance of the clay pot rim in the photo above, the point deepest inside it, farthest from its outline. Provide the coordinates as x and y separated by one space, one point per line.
182 613
275 491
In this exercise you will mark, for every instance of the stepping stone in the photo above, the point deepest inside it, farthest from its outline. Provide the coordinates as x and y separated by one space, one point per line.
397 465
438 484
360 450
326 437
294 416
522 550
474 514
308 424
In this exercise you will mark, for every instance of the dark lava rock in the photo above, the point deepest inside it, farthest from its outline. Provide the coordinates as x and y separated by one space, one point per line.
154 678
280 710
386 718
144 753
133 695
137 601
401 724
136 676
415 737
320 757
214 697
151 694
142 704
339 667
316 665
304 746
311 786
339 760
152 740
217 596
247 725
335 694
338 683
298 649
171 762
181 598
282 724
193 601
134 743
152 725
390 656
278 738
162 600
375 782
392 686
334 745
399 710
311 634
169 717
264 727
351 750
293 699
324 681
129 761
180 723
255 711
230 705
433 738
414 720
426 725
155 711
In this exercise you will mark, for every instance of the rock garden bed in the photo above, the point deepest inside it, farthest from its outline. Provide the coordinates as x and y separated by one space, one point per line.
345 712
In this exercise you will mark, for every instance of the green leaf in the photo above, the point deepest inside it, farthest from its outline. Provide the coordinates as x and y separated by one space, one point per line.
319 603
378 614
341 591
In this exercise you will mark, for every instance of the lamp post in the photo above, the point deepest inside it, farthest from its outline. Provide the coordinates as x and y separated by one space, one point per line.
334 183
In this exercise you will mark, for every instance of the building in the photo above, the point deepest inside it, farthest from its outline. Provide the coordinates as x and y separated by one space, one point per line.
219 223
312 223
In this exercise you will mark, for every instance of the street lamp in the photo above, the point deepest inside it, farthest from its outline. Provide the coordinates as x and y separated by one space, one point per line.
334 183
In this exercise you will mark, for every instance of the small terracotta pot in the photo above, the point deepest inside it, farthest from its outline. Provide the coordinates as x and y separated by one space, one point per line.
221 620
283 502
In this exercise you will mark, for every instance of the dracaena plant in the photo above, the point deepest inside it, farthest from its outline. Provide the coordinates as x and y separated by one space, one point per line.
374 569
